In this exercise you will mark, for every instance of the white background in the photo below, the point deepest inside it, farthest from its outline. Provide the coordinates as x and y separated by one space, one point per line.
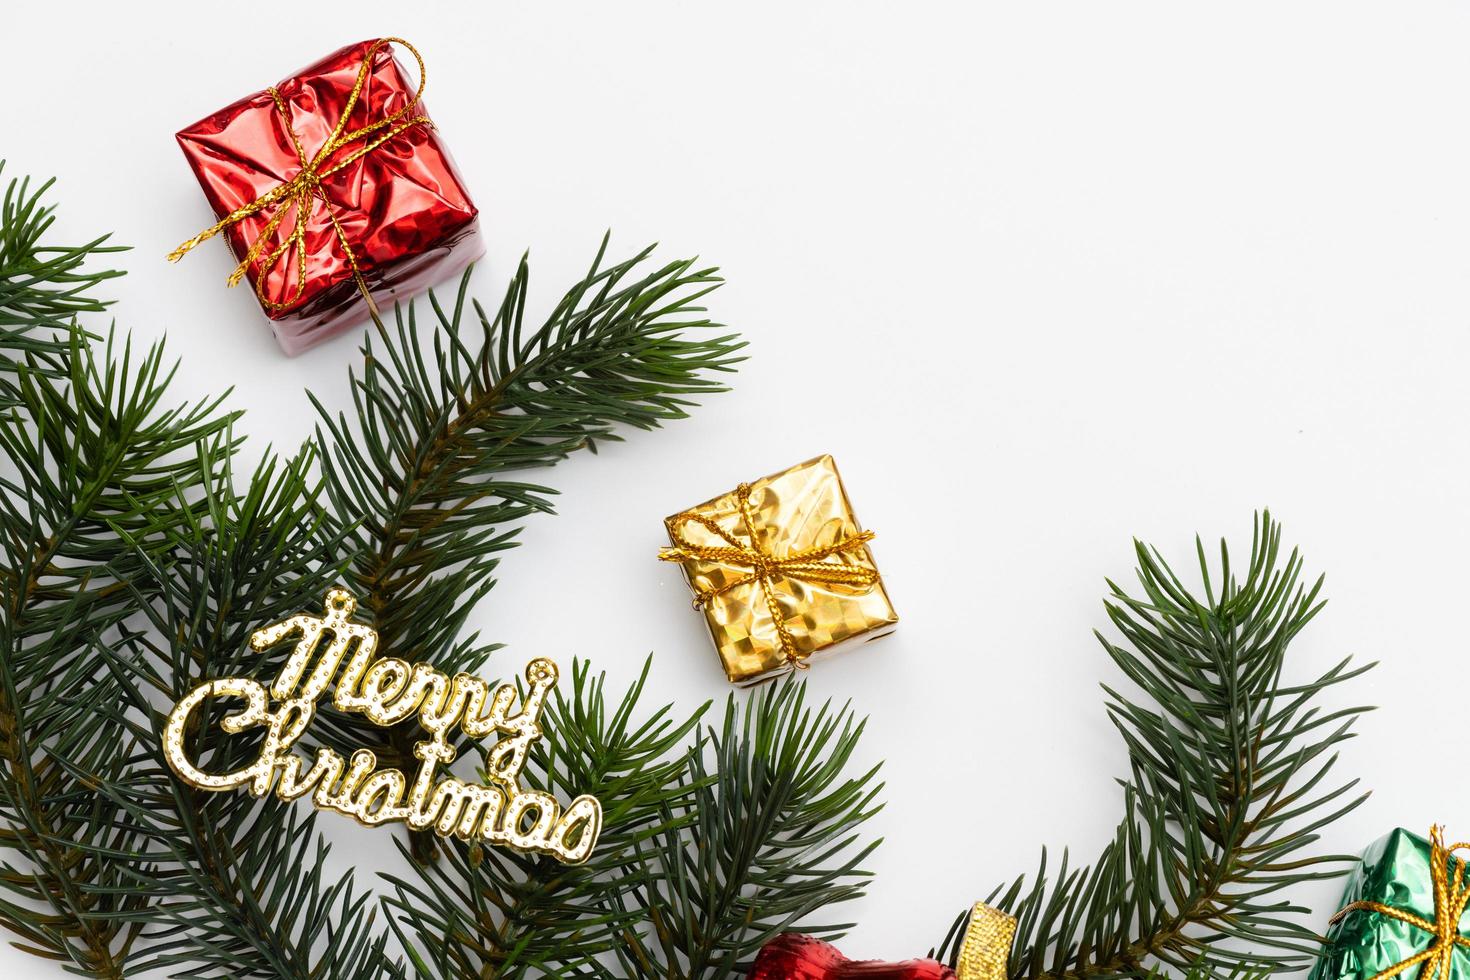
1077 272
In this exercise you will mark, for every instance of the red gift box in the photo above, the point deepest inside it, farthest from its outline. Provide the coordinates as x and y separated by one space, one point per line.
331 187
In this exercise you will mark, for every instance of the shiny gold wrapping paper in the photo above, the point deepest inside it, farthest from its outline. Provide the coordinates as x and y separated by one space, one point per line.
798 510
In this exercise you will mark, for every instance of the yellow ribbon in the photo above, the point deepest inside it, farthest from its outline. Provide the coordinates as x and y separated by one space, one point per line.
1451 896
806 566
305 187
987 944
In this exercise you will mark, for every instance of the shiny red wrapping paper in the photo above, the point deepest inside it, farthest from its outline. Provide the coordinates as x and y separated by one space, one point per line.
403 206
796 957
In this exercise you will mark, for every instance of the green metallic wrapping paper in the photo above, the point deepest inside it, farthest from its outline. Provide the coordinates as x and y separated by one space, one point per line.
1396 872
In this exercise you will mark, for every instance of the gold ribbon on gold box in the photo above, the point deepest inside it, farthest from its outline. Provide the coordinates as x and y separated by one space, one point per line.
781 569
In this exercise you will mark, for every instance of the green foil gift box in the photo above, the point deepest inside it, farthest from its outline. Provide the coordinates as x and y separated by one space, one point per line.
1404 914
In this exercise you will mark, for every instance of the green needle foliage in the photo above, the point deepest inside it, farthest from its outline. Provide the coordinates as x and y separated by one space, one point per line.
489 912
710 848
424 482
42 287
95 456
1231 782
768 837
230 886
139 555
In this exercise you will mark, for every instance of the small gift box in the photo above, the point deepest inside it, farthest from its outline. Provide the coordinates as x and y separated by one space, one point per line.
1404 913
334 192
982 956
781 569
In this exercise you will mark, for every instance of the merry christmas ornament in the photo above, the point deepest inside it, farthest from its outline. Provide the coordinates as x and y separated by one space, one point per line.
334 652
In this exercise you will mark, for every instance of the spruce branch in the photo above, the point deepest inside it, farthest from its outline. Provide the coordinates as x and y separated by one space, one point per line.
133 568
485 912
768 836
93 451
228 885
1230 783
423 482
43 287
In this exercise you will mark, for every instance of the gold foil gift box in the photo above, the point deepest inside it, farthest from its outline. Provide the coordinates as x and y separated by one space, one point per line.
782 571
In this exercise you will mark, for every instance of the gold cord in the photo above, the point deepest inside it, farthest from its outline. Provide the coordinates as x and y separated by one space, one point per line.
1451 896
806 566
305 188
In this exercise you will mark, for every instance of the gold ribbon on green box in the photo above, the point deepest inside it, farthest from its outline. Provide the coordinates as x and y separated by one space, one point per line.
1404 914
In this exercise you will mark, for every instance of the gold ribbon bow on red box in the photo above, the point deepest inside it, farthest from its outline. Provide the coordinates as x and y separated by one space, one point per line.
304 189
